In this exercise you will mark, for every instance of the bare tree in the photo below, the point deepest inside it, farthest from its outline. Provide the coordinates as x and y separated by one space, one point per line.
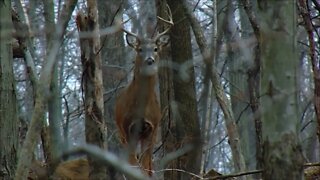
185 114
8 101
308 24
221 97
52 140
168 124
282 155
92 85
26 153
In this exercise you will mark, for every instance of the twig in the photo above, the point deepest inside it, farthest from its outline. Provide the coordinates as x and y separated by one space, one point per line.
235 175
214 177
311 164
180 170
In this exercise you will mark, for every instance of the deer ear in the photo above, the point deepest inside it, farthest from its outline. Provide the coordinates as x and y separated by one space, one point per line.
132 41
163 40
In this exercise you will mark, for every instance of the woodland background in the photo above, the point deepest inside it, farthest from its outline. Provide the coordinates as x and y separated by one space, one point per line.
239 88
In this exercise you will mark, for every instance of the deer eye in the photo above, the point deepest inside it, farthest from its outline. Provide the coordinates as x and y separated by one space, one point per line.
155 49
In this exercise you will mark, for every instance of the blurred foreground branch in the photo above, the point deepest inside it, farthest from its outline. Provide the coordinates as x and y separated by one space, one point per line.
107 158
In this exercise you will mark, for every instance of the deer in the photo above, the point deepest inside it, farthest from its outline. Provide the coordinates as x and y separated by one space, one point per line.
137 110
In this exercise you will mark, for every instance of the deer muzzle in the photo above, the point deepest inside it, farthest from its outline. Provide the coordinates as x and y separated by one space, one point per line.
150 61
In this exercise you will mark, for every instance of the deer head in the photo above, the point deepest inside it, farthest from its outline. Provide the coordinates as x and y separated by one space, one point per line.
148 49
147 52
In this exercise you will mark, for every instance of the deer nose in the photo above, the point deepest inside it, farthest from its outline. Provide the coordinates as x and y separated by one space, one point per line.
150 61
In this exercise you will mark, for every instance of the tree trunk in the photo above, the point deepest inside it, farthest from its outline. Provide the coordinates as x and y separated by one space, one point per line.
239 85
239 95
168 125
92 84
254 79
53 137
8 102
112 57
282 156
188 128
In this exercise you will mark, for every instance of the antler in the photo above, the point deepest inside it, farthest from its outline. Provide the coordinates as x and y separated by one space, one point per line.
126 31
170 22
131 33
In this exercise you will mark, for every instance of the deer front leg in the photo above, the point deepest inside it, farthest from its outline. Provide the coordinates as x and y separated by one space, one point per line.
147 152
133 160
131 150
146 160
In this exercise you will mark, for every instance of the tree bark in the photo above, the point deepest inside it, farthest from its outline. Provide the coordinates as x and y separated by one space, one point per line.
239 91
8 101
188 128
112 57
53 137
92 85
240 94
282 156
168 124
254 79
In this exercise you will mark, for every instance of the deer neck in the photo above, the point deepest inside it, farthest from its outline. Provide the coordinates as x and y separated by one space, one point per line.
143 92
143 82
144 85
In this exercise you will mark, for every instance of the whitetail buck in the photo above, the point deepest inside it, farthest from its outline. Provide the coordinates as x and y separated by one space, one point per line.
137 110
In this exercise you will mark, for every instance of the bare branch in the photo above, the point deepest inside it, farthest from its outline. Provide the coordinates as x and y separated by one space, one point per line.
174 155
107 158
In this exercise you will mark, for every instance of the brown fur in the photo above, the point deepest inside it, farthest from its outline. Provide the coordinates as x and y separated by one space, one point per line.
72 170
68 170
